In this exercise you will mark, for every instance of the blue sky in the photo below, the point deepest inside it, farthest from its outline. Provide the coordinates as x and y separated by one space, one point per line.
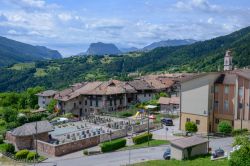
71 25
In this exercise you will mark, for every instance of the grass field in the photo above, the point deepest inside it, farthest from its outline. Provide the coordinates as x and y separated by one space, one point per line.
201 161
145 144
23 66
40 72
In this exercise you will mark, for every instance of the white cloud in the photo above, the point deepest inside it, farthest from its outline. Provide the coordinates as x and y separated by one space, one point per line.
65 16
210 20
203 5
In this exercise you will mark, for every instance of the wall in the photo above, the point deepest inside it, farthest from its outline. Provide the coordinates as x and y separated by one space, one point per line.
43 101
115 134
245 124
145 96
142 127
62 149
25 142
202 127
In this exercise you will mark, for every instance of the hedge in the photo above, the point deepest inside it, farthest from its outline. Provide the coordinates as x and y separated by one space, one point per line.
32 156
22 154
8 148
113 145
142 138
239 131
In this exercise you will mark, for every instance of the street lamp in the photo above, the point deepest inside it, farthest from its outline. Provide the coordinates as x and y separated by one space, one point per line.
148 107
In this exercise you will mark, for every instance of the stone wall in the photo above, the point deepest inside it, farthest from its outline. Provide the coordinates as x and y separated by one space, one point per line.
25 142
115 134
62 149
142 127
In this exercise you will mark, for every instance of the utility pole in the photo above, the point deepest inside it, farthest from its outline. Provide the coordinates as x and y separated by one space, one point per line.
36 143
148 127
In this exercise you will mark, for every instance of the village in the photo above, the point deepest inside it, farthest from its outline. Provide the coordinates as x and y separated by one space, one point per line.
181 110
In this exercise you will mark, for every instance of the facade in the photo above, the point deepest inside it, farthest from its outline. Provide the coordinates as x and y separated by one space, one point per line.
45 97
194 144
210 98
23 137
169 105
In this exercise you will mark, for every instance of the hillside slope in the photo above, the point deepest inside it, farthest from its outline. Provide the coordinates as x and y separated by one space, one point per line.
198 57
102 49
12 51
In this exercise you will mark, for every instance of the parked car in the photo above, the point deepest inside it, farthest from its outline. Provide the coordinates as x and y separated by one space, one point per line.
167 154
167 121
218 153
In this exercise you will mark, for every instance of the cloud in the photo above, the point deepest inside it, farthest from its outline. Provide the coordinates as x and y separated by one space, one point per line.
202 5
65 16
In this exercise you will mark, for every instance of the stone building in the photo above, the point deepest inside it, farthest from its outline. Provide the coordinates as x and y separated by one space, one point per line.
23 137
45 97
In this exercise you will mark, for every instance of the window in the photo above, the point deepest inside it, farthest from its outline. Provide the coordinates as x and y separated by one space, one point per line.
74 105
91 102
120 101
149 94
110 102
188 120
86 102
96 103
216 88
115 101
217 121
80 102
226 89
197 122
226 105
144 94
241 92
216 104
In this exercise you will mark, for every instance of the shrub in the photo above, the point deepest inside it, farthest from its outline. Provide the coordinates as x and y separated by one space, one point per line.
113 145
85 152
31 156
68 115
127 114
2 122
191 127
8 148
1 140
22 154
224 127
142 138
239 131
241 157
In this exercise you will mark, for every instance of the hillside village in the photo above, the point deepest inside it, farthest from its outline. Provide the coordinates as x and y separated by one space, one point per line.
93 114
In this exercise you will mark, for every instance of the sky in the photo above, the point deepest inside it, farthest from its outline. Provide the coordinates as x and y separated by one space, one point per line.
71 25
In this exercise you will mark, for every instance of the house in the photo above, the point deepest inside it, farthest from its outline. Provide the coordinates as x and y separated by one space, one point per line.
23 137
45 97
169 105
95 97
184 148
210 98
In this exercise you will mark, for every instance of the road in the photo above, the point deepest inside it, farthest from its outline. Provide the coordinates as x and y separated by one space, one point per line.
122 157
112 159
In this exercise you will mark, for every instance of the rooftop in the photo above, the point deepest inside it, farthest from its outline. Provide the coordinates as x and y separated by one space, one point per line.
184 143
47 93
167 100
30 128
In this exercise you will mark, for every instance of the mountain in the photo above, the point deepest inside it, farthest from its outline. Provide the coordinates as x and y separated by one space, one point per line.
130 49
12 51
102 49
202 56
167 43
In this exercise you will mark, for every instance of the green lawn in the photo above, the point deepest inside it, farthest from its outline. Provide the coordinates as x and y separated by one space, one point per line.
145 144
201 161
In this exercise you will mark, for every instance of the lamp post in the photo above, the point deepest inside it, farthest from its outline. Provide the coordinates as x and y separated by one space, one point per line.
148 107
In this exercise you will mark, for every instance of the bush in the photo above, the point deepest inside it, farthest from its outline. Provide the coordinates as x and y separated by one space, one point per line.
127 114
85 152
239 131
113 145
241 157
142 138
224 127
191 127
2 122
32 156
1 140
22 154
8 148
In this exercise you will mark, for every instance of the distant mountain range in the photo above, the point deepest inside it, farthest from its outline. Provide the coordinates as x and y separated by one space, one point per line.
109 48
166 43
12 51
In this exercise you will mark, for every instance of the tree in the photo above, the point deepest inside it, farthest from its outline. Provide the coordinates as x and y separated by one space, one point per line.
224 127
191 127
51 106
241 157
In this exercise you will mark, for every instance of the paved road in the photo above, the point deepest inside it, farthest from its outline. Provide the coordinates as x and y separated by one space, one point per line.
122 157
112 159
